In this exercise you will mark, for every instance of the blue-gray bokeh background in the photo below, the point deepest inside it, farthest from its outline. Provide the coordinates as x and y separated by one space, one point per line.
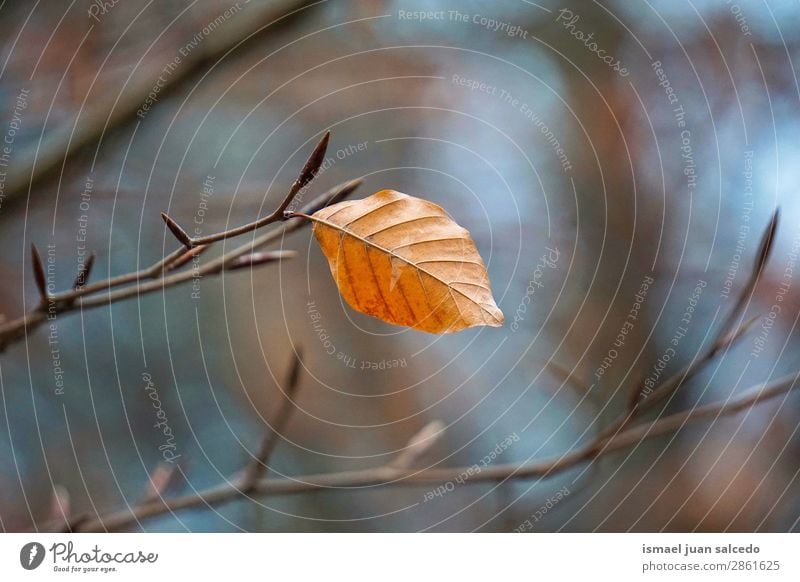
527 138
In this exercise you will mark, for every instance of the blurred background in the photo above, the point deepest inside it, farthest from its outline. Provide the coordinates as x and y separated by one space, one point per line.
604 155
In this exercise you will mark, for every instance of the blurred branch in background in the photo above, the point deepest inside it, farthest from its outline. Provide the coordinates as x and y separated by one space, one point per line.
105 112
398 474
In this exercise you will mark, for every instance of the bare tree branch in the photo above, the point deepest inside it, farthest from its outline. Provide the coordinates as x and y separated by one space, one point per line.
728 334
390 475
156 277
307 174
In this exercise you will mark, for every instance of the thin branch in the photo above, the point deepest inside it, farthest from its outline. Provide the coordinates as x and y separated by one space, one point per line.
151 272
673 382
258 467
659 427
193 247
725 338
762 256
387 475
309 170
136 284
729 332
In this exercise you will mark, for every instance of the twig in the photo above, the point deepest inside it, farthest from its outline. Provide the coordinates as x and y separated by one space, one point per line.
388 475
258 467
155 277
727 335
762 256
673 382
307 174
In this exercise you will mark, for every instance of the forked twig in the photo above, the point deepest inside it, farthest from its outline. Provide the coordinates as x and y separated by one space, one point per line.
307 174
166 272
727 335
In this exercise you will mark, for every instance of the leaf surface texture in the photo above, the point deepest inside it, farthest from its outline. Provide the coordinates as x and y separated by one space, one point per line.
405 261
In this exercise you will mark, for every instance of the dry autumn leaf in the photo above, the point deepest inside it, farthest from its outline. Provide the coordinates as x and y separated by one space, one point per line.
405 261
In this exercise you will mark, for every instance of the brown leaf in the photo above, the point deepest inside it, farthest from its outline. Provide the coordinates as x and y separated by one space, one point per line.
405 261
